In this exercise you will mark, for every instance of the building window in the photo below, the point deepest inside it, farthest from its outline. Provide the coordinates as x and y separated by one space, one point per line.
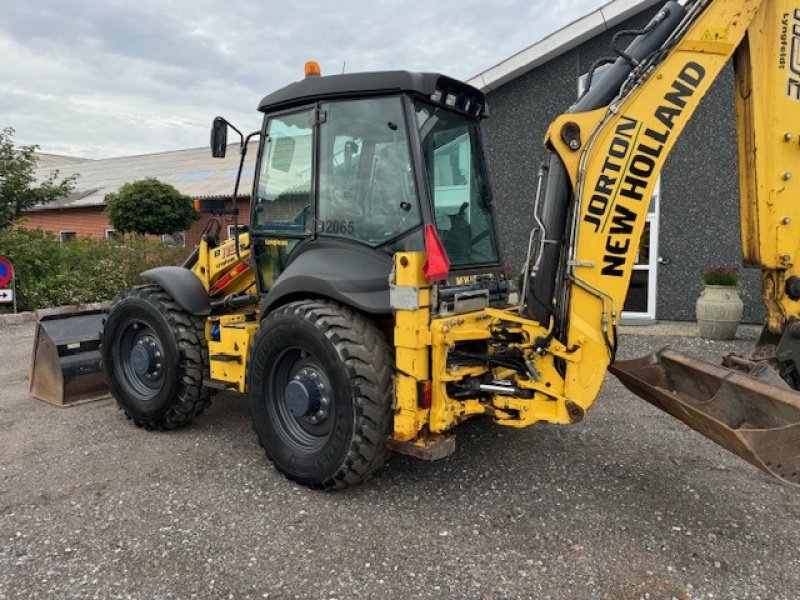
231 230
66 236
113 234
176 239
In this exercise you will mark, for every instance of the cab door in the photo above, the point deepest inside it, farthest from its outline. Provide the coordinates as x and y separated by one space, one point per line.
283 199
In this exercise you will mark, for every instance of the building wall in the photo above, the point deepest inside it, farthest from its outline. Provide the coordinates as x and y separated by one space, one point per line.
92 222
699 193
700 224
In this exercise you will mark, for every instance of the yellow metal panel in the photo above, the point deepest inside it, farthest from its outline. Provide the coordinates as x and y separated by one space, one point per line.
547 403
412 354
202 266
235 336
214 263
768 113
587 122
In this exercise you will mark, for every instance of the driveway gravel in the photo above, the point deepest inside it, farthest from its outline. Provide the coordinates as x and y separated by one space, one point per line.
628 504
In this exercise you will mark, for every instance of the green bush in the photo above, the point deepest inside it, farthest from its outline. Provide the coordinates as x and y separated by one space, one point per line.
50 273
150 206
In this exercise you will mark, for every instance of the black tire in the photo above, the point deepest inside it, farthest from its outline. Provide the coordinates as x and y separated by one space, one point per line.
154 357
321 350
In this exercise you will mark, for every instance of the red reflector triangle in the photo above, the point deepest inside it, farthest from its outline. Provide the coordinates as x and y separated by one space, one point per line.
437 264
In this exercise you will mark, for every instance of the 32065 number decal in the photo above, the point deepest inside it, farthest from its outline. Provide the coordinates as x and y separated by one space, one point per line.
334 226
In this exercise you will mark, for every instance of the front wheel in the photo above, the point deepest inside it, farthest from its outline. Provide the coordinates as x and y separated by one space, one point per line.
320 393
154 358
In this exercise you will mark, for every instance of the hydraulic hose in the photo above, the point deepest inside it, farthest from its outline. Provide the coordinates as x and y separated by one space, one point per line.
607 85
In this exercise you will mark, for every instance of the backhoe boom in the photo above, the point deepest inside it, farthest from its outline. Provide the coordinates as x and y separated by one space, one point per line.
621 150
612 157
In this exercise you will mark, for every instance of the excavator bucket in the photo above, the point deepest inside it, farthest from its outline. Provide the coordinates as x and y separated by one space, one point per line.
752 417
65 367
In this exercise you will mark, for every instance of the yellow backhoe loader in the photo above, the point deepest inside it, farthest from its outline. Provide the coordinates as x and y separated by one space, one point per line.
364 308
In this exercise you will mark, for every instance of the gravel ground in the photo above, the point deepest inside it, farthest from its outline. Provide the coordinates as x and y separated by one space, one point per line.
628 504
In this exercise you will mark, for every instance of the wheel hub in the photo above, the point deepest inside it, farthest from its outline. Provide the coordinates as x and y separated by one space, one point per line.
306 396
302 397
145 357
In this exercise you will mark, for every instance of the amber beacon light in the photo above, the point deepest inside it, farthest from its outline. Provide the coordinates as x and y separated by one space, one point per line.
312 69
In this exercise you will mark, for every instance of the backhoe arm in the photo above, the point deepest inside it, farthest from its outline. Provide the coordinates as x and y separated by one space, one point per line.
613 157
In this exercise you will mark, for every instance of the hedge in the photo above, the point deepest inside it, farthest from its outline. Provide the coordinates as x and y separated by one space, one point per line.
50 273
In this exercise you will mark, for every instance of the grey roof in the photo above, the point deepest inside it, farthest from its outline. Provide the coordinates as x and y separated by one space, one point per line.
573 35
193 172
56 161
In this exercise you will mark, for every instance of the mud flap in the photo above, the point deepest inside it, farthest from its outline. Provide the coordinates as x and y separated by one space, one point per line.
65 366
754 419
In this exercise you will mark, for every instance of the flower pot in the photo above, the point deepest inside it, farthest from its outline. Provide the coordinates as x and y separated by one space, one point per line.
719 310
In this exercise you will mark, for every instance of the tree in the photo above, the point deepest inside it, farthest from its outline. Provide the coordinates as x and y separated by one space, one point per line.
149 206
18 189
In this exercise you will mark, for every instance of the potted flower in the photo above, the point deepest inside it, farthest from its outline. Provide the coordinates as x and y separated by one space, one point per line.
720 306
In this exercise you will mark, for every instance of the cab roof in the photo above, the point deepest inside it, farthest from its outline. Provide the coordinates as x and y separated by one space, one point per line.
375 83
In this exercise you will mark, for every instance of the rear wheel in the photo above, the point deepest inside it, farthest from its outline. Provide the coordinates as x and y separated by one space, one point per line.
320 392
154 357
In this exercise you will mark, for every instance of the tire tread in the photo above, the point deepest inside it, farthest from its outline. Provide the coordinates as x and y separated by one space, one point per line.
370 373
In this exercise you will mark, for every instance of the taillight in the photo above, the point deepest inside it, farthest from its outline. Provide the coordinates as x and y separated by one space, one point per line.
424 393
228 277
437 264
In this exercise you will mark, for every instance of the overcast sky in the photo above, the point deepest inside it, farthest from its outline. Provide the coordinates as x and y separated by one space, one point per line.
101 78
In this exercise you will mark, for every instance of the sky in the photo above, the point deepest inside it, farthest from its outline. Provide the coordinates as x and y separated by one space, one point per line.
103 78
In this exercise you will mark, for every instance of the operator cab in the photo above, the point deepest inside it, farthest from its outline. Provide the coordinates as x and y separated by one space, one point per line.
359 166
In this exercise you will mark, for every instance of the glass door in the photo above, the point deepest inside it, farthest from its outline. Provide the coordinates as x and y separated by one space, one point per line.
283 203
640 305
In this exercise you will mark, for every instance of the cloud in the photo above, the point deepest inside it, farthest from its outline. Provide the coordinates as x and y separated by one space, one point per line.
106 78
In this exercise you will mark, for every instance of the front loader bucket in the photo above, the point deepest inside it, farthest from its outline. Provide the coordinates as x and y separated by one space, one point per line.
65 367
755 420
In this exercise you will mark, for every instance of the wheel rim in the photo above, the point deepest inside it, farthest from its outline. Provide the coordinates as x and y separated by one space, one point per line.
299 400
140 359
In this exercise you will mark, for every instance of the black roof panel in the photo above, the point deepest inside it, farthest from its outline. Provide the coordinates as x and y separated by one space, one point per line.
364 84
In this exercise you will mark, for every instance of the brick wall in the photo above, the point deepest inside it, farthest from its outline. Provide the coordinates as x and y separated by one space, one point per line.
92 222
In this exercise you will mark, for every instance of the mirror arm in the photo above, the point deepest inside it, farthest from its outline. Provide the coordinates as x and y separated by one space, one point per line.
235 199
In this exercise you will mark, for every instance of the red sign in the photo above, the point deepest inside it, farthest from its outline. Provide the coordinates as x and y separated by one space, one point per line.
6 272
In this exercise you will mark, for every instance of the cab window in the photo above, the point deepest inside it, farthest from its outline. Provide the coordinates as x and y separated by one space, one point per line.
456 169
283 194
366 182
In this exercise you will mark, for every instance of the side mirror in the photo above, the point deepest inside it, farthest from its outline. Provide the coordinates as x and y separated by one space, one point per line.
219 137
